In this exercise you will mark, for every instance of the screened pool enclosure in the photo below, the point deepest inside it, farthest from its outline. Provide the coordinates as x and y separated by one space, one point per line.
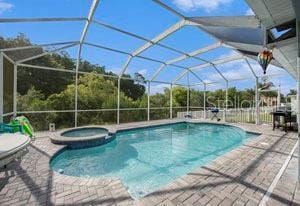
81 89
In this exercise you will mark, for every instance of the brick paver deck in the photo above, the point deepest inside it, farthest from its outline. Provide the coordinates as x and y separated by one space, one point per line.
240 177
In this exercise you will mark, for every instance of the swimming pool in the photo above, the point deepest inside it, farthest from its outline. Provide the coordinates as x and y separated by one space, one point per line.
148 158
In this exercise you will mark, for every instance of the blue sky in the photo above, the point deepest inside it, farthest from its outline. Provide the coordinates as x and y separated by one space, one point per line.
142 17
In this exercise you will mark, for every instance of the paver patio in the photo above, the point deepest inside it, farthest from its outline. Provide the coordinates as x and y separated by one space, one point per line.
240 177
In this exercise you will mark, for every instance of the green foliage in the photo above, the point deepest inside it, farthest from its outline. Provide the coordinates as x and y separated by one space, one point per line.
50 82
20 40
130 89
94 92
292 92
46 81
196 98
160 99
34 100
47 90
179 96
8 77
88 67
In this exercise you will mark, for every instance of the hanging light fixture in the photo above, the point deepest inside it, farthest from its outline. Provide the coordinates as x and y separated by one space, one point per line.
265 55
264 58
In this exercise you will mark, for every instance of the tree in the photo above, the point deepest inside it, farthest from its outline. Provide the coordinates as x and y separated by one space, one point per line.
179 96
130 88
196 98
19 40
43 90
51 82
292 92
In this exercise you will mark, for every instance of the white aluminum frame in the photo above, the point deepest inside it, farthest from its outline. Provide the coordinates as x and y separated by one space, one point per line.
152 42
135 54
185 56
82 38
15 92
298 87
171 101
1 87
148 100
256 93
204 100
38 46
45 53
22 20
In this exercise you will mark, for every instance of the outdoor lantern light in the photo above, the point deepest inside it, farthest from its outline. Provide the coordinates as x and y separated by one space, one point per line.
264 58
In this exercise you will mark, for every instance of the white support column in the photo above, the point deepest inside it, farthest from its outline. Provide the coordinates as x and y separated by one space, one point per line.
188 99
148 102
204 100
76 86
298 112
81 42
188 93
298 90
1 87
256 93
257 120
15 100
171 101
226 101
278 96
118 103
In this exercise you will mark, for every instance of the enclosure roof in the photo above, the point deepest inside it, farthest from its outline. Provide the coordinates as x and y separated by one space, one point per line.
280 16
244 34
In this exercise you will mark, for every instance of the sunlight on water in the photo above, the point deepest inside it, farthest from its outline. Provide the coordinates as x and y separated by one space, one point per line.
147 159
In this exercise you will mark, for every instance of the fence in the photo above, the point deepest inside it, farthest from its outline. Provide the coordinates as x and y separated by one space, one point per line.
235 115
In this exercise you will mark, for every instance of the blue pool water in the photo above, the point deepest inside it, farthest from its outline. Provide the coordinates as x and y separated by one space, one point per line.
149 158
85 132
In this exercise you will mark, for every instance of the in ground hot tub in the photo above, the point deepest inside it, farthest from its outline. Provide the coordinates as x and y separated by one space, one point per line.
85 132
82 137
